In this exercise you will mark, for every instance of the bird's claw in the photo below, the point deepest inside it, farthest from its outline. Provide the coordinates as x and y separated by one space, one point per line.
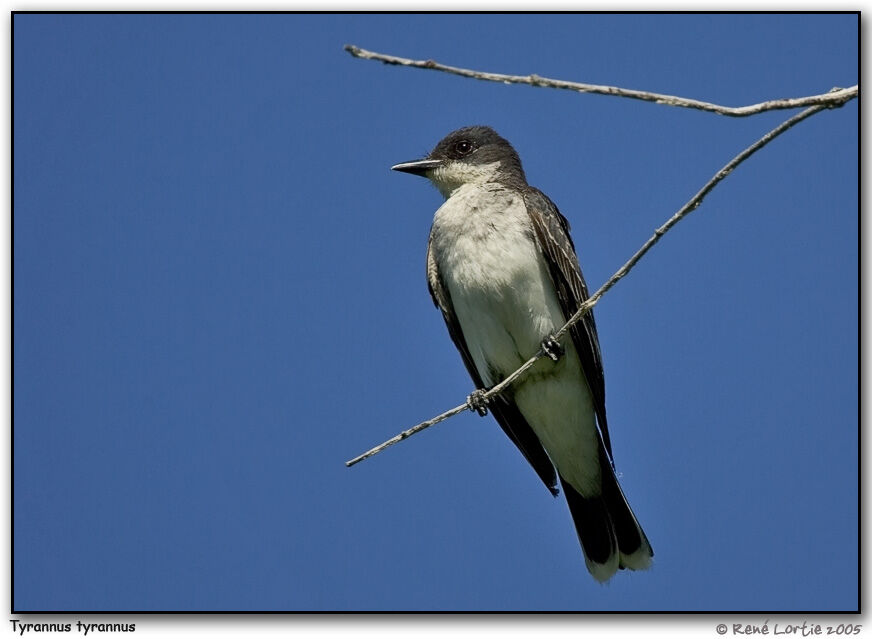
478 402
552 348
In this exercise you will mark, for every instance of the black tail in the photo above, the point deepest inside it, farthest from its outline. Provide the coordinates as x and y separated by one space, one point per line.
610 536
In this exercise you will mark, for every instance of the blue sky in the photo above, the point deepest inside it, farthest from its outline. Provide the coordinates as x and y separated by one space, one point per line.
219 297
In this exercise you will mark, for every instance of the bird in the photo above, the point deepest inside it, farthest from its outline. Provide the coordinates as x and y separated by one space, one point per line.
503 271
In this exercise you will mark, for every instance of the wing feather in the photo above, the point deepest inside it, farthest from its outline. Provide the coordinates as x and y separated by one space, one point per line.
552 233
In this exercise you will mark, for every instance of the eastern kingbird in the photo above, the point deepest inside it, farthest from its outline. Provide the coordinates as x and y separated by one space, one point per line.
502 269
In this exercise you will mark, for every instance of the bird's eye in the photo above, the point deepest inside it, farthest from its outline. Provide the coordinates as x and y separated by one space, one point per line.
463 147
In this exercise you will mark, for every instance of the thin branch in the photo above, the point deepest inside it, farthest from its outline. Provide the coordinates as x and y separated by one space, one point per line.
408 433
834 98
585 307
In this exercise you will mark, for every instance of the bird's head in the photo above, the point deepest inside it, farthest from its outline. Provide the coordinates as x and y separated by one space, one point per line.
471 155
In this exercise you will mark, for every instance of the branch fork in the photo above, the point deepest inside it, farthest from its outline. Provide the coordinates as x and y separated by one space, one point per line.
478 399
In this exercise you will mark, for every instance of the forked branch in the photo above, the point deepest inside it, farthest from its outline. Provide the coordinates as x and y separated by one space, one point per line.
832 99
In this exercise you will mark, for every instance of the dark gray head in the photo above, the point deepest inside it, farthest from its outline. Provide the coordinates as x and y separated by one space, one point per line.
471 155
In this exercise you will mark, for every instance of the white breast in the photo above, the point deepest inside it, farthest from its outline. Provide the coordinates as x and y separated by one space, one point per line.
506 305
494 273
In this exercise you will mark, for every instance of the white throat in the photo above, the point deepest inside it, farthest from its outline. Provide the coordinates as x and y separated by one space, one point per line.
451 176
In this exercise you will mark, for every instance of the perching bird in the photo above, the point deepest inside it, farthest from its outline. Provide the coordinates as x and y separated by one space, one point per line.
502 269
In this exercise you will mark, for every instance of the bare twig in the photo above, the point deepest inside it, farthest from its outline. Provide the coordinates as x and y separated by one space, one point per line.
585 308
833 98
407 433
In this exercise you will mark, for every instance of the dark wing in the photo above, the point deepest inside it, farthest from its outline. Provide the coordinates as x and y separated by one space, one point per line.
504 409
552 232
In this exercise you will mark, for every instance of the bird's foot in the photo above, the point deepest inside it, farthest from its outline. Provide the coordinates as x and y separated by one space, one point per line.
552 348
478 402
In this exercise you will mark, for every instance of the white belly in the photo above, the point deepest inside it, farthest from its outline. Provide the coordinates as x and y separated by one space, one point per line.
506 305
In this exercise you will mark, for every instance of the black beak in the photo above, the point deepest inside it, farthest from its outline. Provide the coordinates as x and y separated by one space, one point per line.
417 167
